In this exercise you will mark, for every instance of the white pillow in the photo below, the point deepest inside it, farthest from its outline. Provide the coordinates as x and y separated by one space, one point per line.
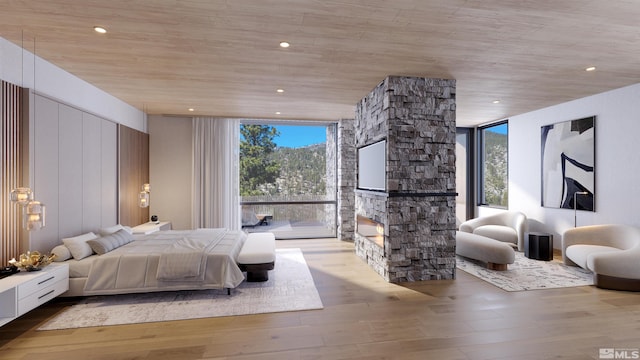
107 243
112 229
61 252
78 246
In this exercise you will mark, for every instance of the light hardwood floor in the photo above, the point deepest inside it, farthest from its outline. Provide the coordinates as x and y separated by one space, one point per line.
364 318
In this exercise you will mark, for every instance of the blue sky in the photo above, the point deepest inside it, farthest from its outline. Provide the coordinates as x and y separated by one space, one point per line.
299 136
500 129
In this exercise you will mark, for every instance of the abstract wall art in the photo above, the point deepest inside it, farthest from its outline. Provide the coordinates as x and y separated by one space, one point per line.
568 164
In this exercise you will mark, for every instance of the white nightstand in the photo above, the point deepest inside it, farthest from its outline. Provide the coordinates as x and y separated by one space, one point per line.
25 291
151 227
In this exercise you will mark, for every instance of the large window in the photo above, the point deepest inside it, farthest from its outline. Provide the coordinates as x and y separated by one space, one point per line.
465 204
288 179
493 165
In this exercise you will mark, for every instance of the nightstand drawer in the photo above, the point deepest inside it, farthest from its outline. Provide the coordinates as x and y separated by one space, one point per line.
42 295
26 290
48 276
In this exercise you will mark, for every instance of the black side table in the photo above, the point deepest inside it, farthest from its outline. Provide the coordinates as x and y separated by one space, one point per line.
539 246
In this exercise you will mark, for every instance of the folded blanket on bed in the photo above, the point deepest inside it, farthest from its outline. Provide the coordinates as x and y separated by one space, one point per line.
182 260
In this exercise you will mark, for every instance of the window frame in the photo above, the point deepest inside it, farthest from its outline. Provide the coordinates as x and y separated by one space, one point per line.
481 199
469 134
331 198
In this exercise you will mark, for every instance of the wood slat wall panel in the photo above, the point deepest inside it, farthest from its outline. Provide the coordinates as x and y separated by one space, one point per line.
109 173
134 171
11 170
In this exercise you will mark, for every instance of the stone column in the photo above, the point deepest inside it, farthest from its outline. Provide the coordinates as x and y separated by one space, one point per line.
416 117
346 179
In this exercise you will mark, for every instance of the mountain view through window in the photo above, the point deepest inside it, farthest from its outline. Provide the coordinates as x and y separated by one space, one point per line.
288 173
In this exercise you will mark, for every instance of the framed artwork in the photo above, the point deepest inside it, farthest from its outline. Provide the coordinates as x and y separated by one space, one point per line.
568 164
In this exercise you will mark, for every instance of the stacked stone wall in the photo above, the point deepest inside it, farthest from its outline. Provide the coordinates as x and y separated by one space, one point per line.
417 118
346 179
372 205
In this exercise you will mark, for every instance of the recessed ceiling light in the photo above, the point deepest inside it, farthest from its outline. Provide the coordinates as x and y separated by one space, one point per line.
280 90
277 112
192 109
590 68
99 29
496 101
284 44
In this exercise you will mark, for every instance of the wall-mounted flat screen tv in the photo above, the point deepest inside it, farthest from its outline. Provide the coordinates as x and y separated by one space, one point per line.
372 161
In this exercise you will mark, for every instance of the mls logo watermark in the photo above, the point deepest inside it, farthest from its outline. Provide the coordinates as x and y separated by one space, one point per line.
611 353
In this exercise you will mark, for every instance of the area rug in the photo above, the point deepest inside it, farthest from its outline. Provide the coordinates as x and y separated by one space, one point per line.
528 274
290 288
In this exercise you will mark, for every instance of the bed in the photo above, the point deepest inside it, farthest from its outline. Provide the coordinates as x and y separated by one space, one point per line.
120 262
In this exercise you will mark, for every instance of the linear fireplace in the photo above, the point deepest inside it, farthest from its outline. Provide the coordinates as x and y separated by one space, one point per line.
371 229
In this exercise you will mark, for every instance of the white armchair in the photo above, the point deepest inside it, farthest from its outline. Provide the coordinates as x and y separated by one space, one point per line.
610 251
508 226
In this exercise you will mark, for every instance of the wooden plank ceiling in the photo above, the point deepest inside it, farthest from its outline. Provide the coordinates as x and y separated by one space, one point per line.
222 57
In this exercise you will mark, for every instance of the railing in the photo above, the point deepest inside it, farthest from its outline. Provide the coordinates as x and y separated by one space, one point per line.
320 213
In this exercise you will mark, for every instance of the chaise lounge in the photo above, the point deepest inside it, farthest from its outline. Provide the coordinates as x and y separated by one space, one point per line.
610 251
250 219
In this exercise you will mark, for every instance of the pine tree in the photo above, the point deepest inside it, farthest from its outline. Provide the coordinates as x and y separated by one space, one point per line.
256 168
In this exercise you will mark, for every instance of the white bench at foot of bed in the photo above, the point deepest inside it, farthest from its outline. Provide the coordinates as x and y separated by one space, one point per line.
258 256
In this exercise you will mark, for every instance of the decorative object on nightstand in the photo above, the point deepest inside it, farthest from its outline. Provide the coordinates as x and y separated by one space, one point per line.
8 271
32 261
154 219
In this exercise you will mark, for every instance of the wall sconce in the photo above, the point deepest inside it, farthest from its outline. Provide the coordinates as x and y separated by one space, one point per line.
33 212
143 196
143 199
21 196
34 215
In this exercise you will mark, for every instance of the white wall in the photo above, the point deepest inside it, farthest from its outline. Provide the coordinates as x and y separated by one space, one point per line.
617 164
17 67
170 170
73 171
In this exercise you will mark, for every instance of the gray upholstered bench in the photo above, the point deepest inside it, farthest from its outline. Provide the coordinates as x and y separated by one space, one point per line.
258 256
494 253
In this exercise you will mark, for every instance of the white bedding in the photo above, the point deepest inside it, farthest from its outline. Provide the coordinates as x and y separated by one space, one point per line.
165 260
